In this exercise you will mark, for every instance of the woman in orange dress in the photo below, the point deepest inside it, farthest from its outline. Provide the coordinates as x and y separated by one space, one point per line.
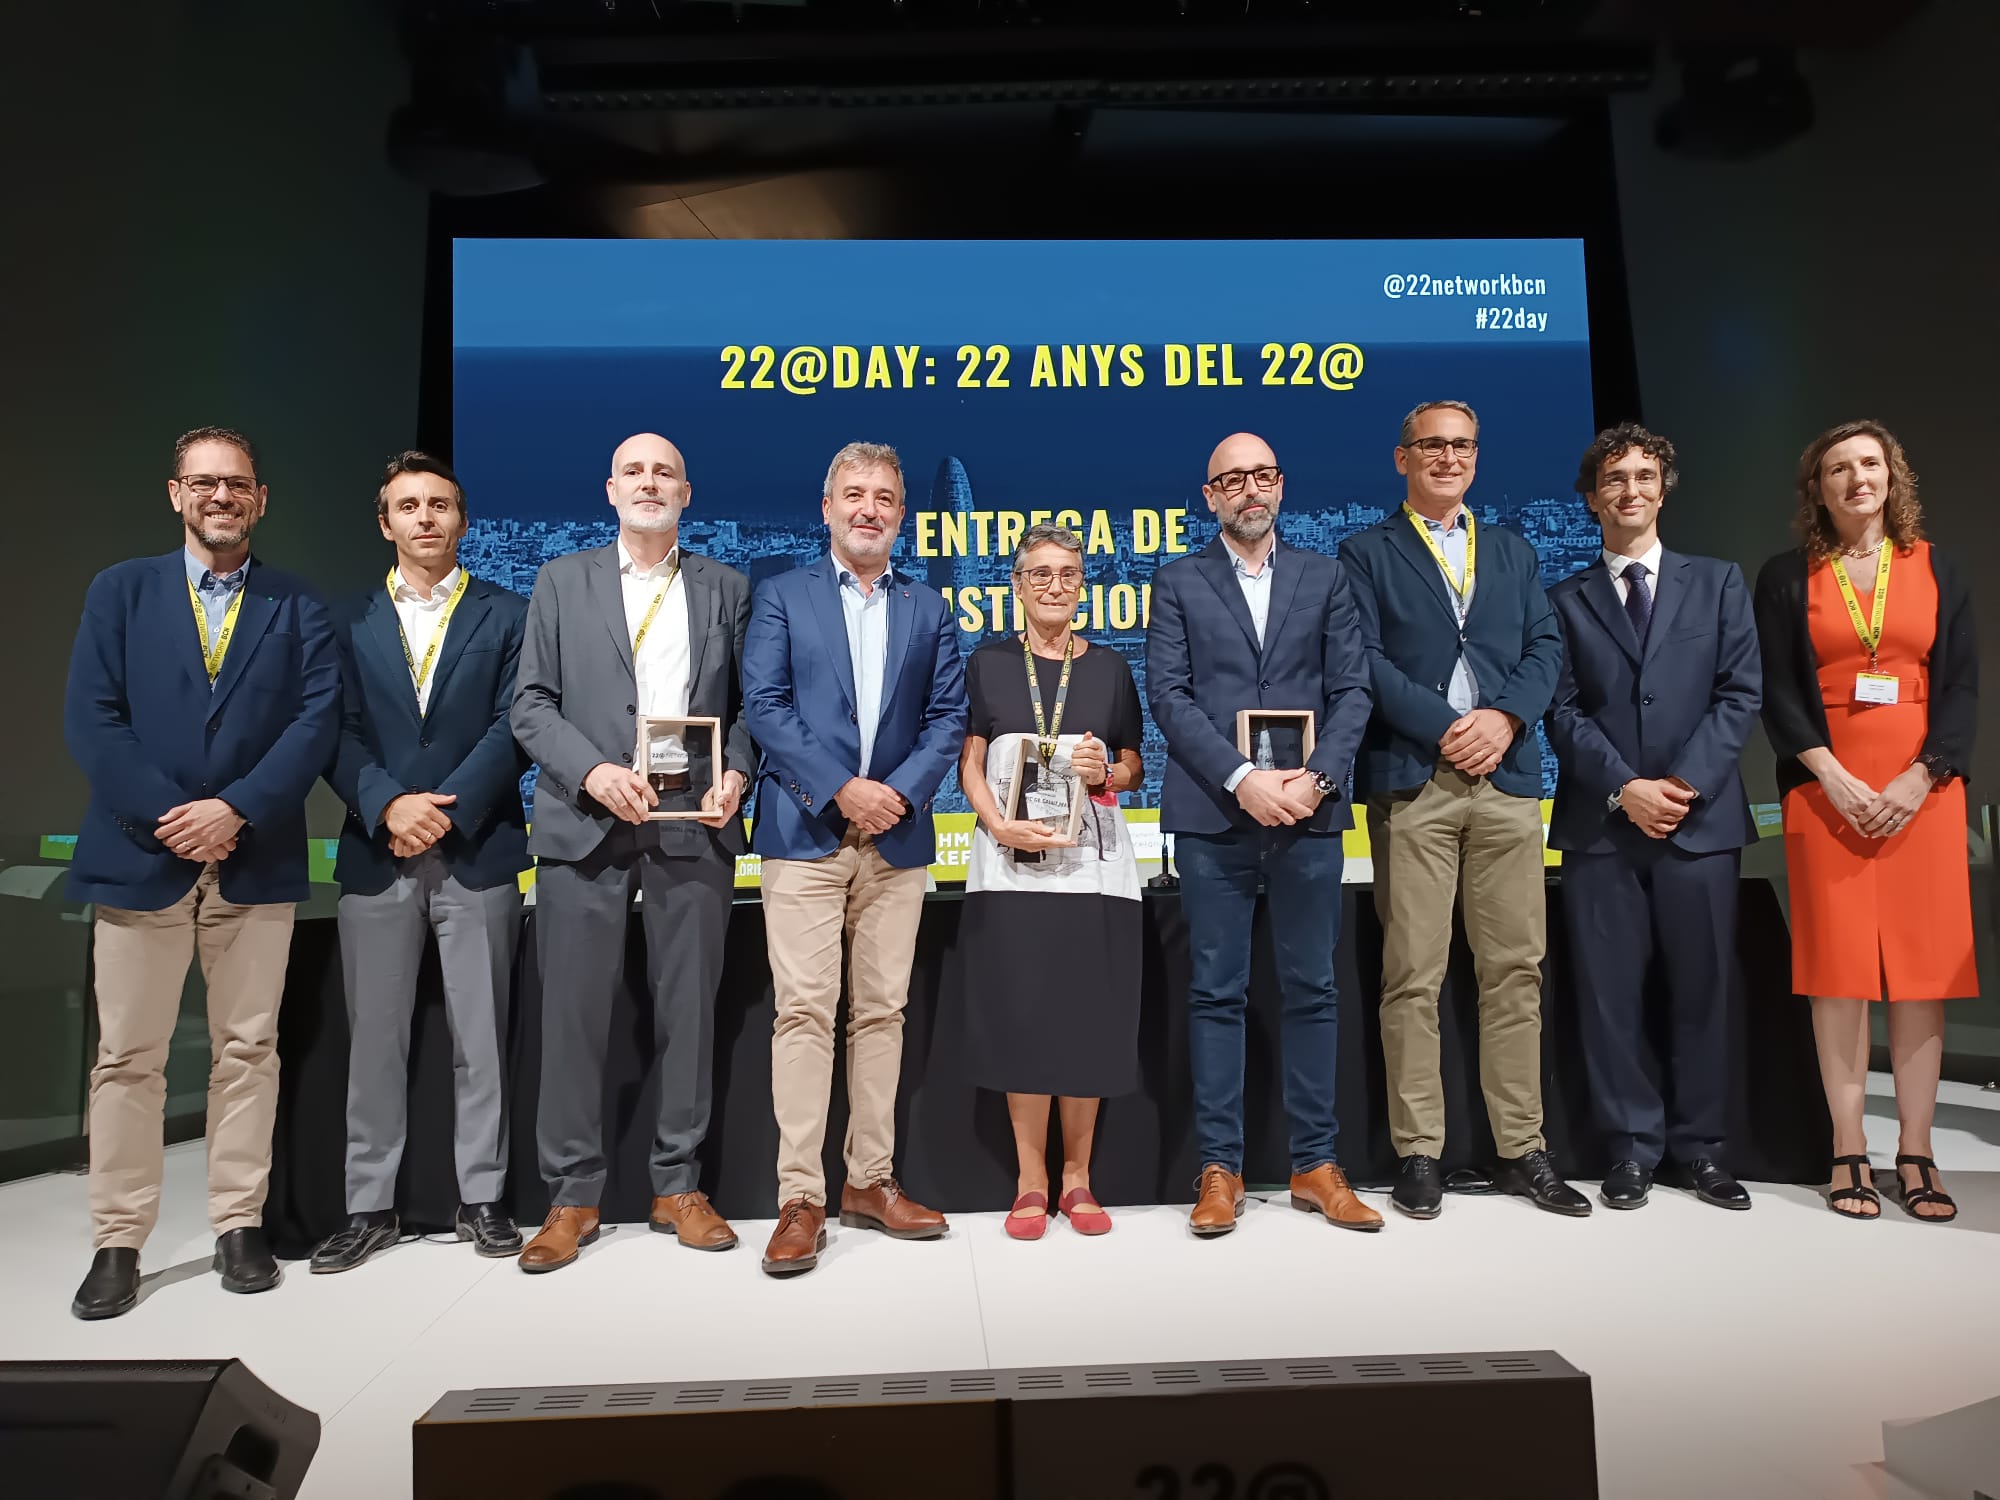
1870 688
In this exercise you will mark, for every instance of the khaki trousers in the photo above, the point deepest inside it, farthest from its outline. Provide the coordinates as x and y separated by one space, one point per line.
810 905
1460 836
141 959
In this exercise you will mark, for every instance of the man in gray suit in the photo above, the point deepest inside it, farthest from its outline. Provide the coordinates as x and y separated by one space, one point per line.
638 627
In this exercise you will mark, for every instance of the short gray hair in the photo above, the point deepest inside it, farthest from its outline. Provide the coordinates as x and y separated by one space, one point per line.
863 456
1047 534
1409 433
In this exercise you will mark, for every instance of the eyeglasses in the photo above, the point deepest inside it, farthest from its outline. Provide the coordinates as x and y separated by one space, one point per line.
1040 578
1431 447
1231 481
1617 484
203 485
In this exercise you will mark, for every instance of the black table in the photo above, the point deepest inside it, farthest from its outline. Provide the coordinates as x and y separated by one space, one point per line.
954 1147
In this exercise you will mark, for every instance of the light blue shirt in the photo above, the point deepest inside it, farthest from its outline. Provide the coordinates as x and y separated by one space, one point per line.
213 592
868 650
1257 595
1462 693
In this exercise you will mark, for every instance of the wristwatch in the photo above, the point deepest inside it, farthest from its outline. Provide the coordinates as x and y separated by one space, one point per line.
1326 784
1611 802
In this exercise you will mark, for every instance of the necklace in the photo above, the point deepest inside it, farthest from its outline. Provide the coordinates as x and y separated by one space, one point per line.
1863 551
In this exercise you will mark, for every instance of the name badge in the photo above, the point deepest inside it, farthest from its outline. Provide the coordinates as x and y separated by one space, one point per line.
1875 687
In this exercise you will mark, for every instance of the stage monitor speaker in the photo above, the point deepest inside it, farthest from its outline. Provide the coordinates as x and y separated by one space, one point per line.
196 1429
1420 1427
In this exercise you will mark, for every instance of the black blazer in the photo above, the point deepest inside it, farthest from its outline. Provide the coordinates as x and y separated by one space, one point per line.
1795 715
1682 706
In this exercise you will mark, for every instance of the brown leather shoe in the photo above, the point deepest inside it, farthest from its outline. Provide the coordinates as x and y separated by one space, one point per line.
884 1207
797 1241
1218 1203
1324 1190
563 1234
690 1217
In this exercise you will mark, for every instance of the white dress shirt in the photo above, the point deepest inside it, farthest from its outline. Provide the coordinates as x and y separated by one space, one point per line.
1616 563
420 615
661 665
1257 598
867 620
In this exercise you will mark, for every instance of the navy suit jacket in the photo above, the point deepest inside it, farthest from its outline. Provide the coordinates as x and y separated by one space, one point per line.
150 733
462 744
1681 707
1510 641
1203 666
799 700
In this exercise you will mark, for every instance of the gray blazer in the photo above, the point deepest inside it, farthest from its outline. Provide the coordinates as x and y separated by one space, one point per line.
575 696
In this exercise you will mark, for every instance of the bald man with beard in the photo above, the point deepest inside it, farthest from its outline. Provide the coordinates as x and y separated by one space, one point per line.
1250 623
639 627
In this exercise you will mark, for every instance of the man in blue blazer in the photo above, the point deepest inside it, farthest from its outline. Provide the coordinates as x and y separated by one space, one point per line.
203 701
1244 624
434 840
854 689
1463 653
1660 684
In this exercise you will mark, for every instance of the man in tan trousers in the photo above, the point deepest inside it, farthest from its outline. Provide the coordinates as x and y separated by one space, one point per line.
1463 652
203 702
854 690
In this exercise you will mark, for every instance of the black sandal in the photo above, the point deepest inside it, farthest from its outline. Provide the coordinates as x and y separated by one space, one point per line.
1854 1192
1928 1193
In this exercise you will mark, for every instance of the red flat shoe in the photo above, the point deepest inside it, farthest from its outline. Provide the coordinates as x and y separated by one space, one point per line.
1022 1226
1094 1220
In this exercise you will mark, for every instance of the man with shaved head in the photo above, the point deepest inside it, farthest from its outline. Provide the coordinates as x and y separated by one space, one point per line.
1248 623
639 627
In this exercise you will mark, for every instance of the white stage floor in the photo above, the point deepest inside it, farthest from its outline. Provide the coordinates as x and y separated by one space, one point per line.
1752 1354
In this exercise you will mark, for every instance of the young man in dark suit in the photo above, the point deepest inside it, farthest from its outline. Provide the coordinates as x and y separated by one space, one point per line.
203 701
435 840
1248 623
1463 654
1660 685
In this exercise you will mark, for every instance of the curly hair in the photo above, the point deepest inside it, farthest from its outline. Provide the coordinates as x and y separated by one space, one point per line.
1616 442
1902 516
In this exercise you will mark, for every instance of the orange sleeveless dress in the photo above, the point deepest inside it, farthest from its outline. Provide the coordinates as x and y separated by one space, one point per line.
1879 919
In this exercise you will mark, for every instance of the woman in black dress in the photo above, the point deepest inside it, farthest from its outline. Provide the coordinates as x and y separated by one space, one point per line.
1051 930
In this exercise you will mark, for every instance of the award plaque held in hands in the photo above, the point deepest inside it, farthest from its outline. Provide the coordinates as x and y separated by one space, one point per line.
1275 739
1050 795
681 759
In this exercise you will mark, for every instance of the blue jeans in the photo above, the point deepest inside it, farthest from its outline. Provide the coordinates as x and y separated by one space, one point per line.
1299 874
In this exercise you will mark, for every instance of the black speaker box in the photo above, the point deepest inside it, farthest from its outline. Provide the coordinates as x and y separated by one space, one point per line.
149 1430
1418 1427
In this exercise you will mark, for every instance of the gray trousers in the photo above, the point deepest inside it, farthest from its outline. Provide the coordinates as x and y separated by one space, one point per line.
581 910
381 946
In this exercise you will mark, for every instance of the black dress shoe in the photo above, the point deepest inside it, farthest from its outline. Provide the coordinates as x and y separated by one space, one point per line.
244 1258
1533 1176
111 1287
1418 1191
345 1249
1713 1185
1626 1185
492 1233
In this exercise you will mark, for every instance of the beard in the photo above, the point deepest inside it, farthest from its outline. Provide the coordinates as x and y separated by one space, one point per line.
858 542
214 531
647 523
1251 529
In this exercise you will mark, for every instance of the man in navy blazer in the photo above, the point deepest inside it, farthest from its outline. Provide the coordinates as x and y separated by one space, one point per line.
854 689
1660 684
1463 654
434 841
1245 624
203 701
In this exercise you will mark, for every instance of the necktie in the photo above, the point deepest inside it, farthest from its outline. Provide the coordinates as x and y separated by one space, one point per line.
1638 600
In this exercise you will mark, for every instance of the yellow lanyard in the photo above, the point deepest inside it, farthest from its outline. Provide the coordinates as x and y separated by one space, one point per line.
211 656
1870 630
654 608
1461 587
419 673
